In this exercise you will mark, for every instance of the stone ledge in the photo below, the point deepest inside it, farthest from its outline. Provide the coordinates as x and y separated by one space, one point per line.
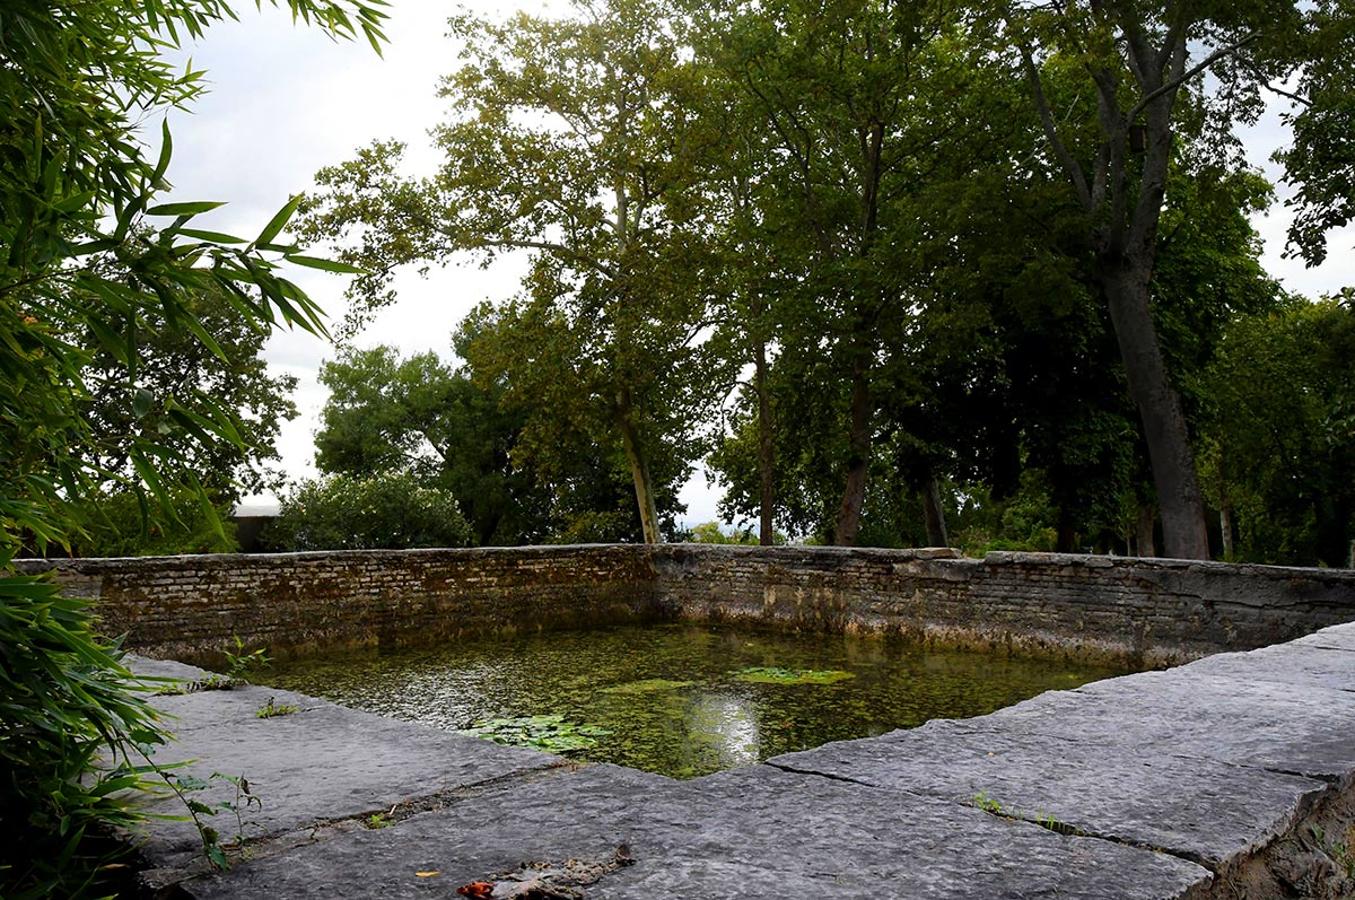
1197 782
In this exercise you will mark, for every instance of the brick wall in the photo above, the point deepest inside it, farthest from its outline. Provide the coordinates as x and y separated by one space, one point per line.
1145 612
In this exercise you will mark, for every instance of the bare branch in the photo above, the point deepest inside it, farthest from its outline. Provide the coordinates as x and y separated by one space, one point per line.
1174 83
1074 171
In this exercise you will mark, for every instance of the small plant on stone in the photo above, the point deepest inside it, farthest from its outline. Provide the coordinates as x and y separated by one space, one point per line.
270 709
239 663
185 786
988 804
378 820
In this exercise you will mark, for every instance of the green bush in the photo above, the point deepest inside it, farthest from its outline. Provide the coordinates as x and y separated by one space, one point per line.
68 700
386 511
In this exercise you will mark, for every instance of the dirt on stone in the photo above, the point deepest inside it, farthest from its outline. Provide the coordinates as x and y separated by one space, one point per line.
548 880
1314 861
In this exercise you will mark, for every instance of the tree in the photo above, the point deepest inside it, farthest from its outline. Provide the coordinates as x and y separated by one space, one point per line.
386 414
1280 433
176 363
860 101
1122 89
75 188
566 139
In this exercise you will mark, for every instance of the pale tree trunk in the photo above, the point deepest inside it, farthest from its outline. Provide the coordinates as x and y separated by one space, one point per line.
1144 540
1164 424
766 454
858 460
934 513
639 470
1226 530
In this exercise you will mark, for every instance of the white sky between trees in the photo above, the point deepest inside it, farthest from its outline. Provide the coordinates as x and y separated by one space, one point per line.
285 100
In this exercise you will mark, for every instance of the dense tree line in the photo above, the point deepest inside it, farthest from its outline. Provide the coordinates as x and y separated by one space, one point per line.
898 273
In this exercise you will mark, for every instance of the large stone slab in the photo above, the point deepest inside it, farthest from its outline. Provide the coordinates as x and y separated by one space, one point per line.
1299 664
1199 715
1338 637
322 763
756 832
1199 809
146 667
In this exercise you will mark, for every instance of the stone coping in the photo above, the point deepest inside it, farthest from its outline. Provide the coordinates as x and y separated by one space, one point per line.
1231 776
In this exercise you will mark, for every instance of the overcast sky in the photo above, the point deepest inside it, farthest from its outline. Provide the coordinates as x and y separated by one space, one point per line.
285 101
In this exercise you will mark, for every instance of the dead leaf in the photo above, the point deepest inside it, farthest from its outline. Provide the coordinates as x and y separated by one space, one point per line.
430 873
477 890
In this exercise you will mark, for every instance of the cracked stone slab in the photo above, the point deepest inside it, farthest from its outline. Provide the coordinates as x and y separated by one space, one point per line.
1337 637
1298 664
1202 810
145 667
320 764
1198 715
756 832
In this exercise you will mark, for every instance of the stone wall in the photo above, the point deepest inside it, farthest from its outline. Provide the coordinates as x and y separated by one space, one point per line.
1136 611
1145 612
294 603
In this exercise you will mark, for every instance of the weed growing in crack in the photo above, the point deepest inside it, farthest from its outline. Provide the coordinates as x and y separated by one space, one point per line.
269 710
214 849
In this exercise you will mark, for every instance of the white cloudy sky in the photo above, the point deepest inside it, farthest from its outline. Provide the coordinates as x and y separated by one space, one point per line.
286 100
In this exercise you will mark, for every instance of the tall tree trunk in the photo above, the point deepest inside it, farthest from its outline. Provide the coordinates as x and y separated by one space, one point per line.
934 513
858 459
1226 530
1146 542
639 470
766 454
1164 424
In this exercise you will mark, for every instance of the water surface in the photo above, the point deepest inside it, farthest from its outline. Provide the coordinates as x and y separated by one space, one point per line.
680 700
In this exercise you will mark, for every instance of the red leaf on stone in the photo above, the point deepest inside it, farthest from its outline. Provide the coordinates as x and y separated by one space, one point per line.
477 890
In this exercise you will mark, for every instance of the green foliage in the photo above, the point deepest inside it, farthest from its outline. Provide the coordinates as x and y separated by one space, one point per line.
455 432
387 511
242 661
1280 434
68 701
711 533
89 266
551 733
189 788
115 526
776 675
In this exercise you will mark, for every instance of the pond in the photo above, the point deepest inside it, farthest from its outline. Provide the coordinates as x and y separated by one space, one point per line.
679 700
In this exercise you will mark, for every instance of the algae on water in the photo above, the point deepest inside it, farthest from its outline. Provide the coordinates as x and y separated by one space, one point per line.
647 686
777 675
551 733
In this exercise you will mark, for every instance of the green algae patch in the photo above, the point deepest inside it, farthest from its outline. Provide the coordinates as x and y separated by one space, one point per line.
647 686
776 675
554 734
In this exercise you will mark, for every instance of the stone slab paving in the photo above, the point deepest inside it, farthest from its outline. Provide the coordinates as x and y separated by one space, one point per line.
1301 665
1307 730
317 765
1338 637
1198 809
1141 786
756 832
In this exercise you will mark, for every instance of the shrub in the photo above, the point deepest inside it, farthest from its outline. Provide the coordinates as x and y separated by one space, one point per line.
386 511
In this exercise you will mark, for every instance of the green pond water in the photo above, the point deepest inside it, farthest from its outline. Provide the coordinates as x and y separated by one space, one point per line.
680 700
